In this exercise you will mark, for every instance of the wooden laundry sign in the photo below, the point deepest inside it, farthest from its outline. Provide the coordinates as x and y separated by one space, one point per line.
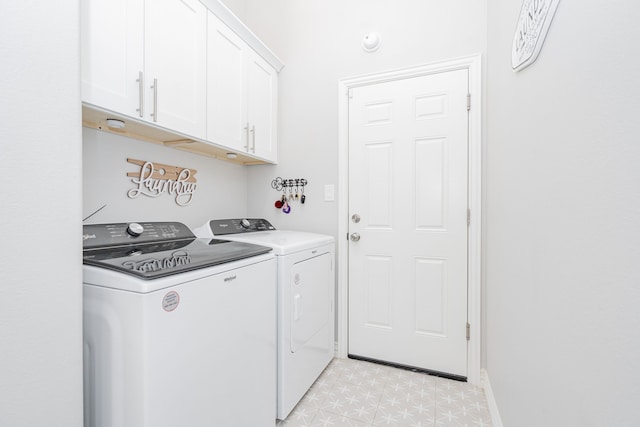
533 25
153 180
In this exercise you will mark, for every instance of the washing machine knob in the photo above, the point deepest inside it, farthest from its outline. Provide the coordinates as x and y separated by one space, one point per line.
245 223
134 229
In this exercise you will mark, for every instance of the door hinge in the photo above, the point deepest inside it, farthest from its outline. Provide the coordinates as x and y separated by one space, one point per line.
468 217
468 331
468 102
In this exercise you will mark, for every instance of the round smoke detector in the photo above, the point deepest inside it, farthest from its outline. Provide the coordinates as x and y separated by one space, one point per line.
371 42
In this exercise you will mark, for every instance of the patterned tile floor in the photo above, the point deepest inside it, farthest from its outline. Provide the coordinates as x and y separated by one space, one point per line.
354 393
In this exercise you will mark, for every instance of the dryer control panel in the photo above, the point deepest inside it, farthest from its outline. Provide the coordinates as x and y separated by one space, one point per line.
220 227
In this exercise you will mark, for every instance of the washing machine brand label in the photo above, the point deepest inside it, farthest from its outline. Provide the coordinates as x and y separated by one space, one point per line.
170 301
176 259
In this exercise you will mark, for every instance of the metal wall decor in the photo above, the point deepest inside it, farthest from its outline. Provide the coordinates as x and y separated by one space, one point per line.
153 180
292 191
533 25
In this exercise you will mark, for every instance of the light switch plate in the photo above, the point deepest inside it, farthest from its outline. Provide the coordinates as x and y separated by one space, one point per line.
329 193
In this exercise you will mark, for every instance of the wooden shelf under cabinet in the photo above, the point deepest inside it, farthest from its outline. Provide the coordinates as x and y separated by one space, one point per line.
96 118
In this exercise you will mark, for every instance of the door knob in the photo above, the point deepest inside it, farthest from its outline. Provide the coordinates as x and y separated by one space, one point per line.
355 218
355 237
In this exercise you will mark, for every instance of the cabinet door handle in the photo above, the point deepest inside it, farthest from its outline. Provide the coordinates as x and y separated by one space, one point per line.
253 139
141 93
155 100
246 131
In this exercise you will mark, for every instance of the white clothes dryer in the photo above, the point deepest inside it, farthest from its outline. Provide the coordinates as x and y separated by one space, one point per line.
306 292
178 331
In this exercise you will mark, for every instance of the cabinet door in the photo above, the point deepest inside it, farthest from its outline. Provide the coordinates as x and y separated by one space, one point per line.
262 92
112 54
175 61
226 90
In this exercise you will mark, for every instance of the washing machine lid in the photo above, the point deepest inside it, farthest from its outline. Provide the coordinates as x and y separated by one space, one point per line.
285 242
153 250
260 232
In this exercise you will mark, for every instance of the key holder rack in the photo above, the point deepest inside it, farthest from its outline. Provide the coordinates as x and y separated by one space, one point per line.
282 184
292 191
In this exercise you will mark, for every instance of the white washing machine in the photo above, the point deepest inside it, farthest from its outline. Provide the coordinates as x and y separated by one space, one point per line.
306 289
178 331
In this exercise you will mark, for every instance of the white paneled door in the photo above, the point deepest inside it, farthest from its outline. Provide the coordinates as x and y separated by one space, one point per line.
408 185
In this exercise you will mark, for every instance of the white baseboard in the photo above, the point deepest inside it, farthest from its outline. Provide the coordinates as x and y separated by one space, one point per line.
491 400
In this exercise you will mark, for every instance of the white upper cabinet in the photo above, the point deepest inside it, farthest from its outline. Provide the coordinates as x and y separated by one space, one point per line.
226 88
112 42
262 107
242 93
175 64
188 71
147 60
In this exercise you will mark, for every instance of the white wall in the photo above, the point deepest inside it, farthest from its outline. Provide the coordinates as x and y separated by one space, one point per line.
238 7
40 254
320 43
563 211
221 187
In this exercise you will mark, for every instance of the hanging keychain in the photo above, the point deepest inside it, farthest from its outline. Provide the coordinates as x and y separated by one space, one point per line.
280 203
285 199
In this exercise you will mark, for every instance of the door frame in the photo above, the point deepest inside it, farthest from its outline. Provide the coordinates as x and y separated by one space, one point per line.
473 64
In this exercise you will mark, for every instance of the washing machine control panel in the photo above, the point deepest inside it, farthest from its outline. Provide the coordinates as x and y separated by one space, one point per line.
100 235
220 227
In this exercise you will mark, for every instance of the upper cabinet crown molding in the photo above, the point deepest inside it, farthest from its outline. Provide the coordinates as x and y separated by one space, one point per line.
232 21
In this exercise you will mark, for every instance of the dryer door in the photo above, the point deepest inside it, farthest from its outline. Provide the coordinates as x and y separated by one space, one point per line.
311 287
